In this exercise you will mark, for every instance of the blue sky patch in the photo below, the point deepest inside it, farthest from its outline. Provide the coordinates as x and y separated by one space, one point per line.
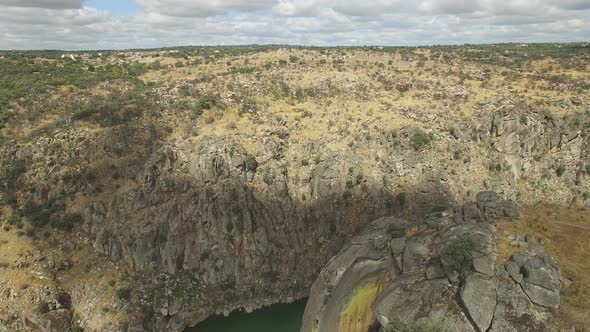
117 7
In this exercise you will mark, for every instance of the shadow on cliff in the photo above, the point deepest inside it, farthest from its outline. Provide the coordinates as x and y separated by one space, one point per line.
242 248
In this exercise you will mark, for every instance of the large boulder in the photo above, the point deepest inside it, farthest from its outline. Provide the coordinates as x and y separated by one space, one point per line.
445 275
542 281
478 295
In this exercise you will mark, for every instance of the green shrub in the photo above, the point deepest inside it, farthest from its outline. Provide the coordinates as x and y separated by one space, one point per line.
10 175
403 87
396 231
30 233
116 108
349 184
50 212
77 328
124 293
420 139
148 311
359 178
21 80
42 308
251 163
560 170
13 220
459 253
268 177
37 215
204 102
66 222
186 90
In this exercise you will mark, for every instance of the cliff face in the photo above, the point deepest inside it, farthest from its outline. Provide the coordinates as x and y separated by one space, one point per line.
443 274
229 220
198 213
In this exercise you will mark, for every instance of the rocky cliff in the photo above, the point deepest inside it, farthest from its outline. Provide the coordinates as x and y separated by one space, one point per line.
219 190
397 276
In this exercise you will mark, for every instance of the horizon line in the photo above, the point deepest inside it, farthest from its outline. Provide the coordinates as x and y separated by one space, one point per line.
291 46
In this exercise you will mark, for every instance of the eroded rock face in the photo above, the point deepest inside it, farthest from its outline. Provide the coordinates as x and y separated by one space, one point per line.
198 218
449 277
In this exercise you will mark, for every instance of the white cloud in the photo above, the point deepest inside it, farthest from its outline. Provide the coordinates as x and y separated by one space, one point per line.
68 24
51 4
201 8
572 4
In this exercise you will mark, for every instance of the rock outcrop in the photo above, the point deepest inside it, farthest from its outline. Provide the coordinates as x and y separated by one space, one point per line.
446 276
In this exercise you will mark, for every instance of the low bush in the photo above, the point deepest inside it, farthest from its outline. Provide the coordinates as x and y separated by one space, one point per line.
420 139
10 174
268 177
204 102
124 293
396 231
37 215
560 170
66 221
51 212
251 163
459 253
42 308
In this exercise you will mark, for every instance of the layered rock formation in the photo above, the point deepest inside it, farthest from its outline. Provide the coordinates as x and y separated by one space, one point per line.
444 274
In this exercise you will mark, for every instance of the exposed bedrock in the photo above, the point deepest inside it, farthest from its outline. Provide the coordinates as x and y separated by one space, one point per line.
445 275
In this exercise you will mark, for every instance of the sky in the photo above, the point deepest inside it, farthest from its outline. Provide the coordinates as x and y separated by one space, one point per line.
122 24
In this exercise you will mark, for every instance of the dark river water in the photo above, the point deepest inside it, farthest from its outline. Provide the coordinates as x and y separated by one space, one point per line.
276 318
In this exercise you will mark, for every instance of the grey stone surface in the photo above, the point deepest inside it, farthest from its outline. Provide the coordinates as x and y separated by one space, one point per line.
542 282
514 271
514 306
478 295
484 264
487 297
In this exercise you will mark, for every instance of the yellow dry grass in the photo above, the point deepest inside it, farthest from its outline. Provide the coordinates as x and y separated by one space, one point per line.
13 280
565 234
88 273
